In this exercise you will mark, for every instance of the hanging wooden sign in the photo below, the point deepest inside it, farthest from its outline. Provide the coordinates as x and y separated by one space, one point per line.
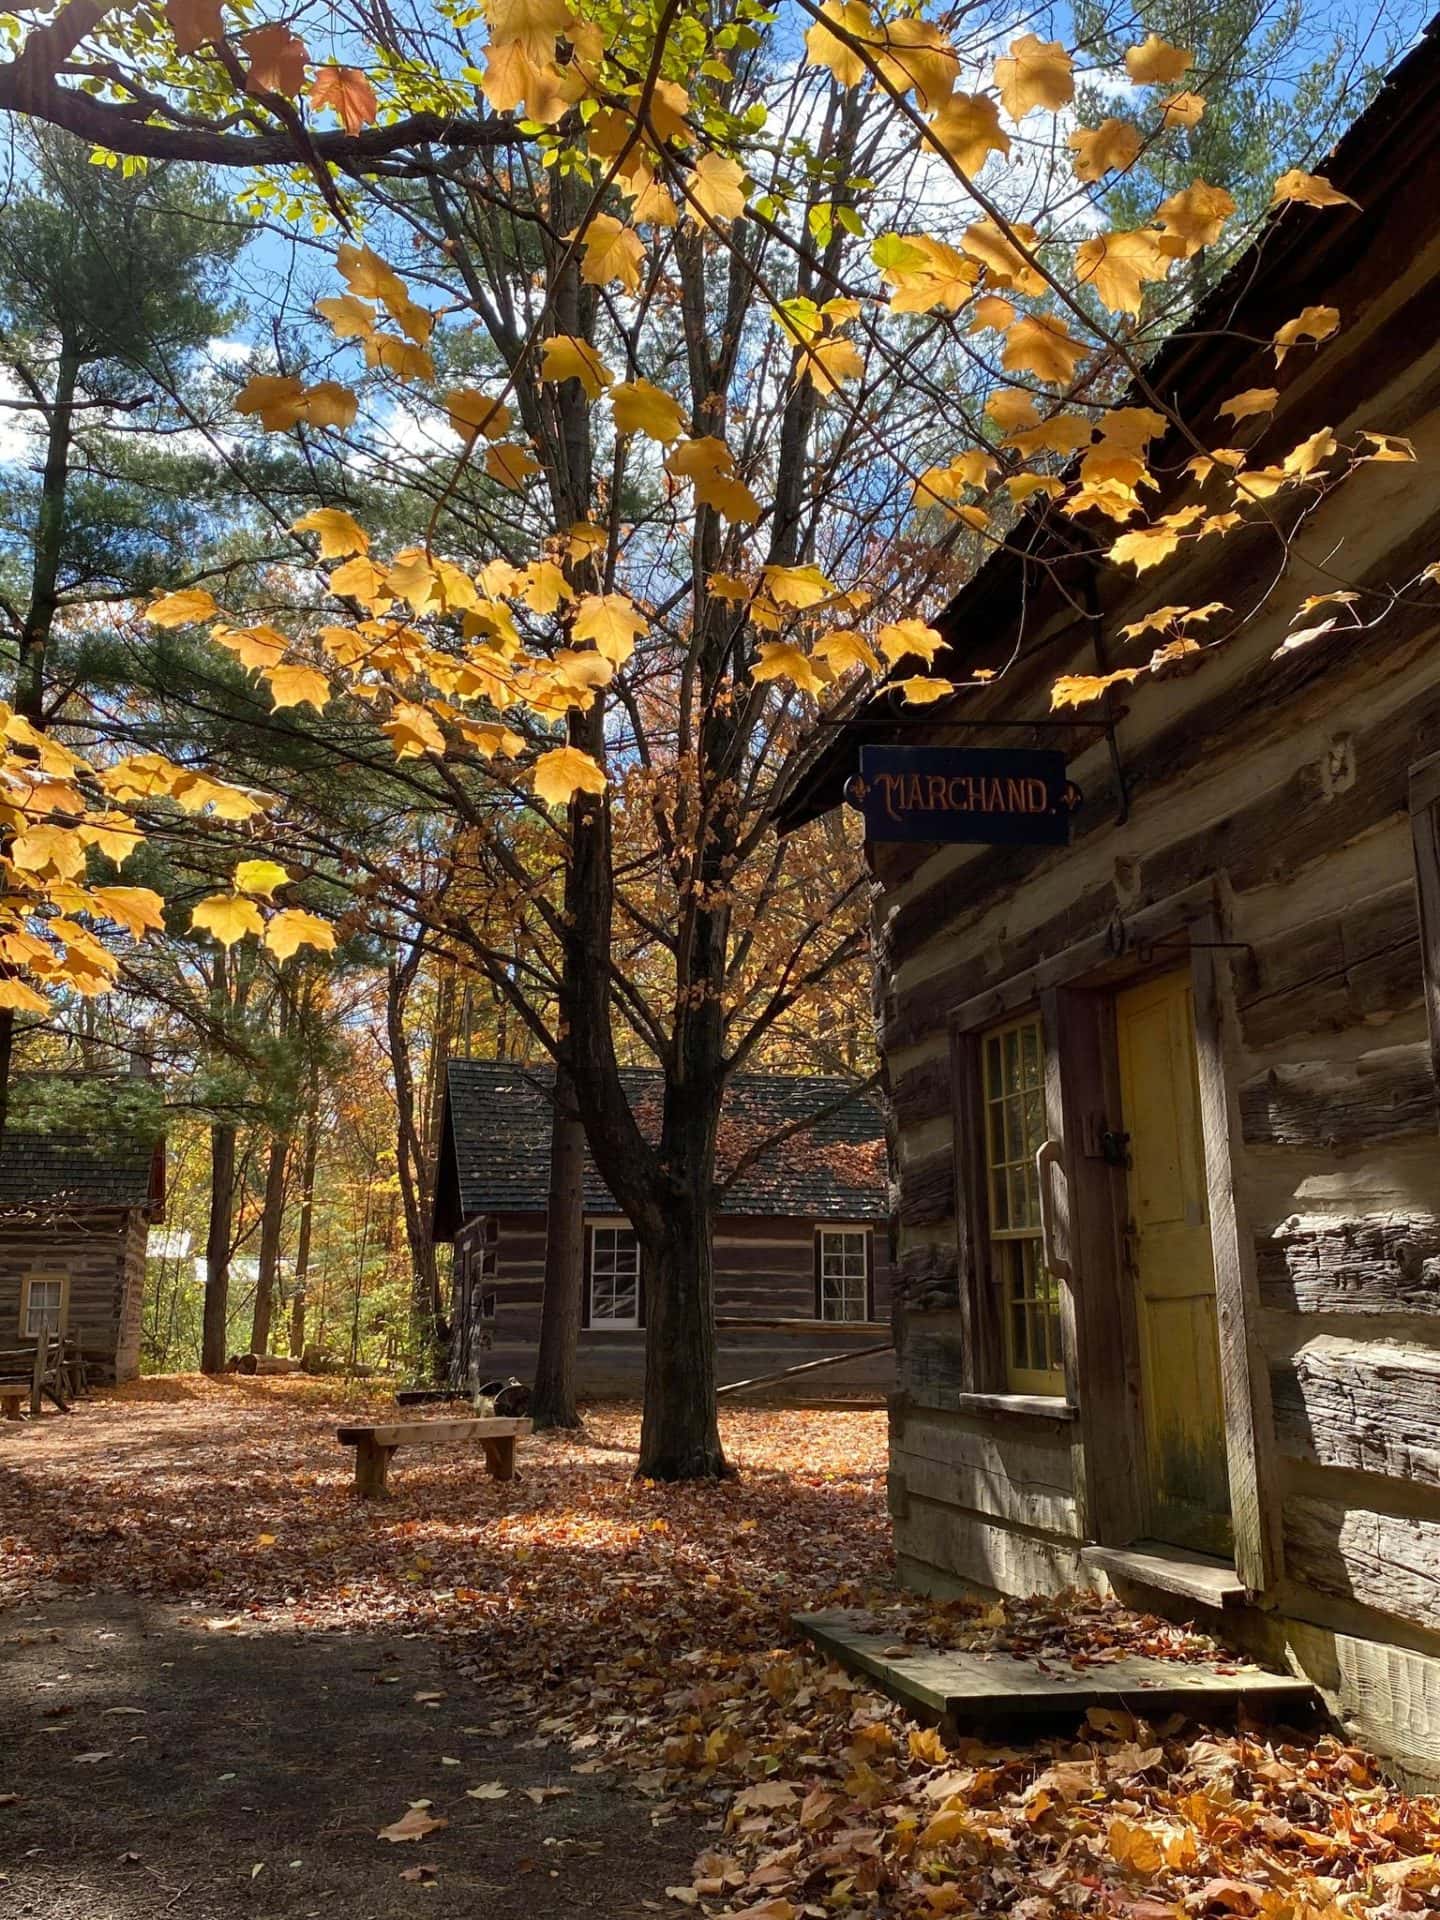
1000 795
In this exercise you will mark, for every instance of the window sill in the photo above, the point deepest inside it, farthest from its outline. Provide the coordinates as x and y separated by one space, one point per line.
1006 1406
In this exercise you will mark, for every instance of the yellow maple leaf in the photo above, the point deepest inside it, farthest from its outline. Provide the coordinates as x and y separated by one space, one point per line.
1036 73
717 187
996 249
137 909
1146 547
829 363
1155 63
612 251
841 648
296 686
921 690
563 772
259 877
824 48
338 533
288 931
1310 189
901 638
641 407
916 53
566 358
1195 216
611 622
543 587
182 609
367 275
1076 689
472 413
967 125
17 997
584 540
56 849
361 580
413 731
1040 343
1387 446
1254 400
925 273
276 400
797 586
1117 266
1012 409
1183 110
1112 147
227 917
401 357
1313 323
510 466
349 317
783 660
1022 485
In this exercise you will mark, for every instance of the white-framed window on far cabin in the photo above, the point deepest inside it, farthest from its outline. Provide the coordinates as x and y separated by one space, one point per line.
842 1273
1013 1069
614 1276
44 1304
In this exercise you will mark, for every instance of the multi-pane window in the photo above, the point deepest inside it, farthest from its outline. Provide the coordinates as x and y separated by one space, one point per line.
44 1307
614 1277
1014 1088
844 1258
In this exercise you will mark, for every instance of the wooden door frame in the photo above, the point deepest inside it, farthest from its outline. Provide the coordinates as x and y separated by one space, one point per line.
1075 993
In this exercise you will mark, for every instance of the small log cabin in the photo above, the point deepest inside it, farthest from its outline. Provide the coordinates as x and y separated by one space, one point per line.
1165 1099
802 1263
75 1214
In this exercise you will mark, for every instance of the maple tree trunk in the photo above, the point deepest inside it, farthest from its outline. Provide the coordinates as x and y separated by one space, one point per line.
414 1167
553 1401
272 1219
307 1224
679 1433
217 1249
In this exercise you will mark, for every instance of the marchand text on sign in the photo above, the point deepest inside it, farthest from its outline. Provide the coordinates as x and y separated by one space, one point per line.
994 794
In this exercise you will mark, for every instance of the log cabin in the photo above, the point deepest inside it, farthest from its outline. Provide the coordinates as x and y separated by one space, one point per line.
1164 1098
75 1215
802 1259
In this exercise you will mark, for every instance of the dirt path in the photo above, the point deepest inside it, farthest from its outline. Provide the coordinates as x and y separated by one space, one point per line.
164 1764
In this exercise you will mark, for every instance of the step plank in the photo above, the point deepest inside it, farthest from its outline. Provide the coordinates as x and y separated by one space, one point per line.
973 1688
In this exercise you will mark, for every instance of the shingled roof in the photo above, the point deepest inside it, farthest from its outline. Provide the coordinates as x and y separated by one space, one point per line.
495 1145
50 1173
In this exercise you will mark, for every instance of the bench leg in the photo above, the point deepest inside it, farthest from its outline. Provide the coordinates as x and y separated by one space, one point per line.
11 1404
500 1458
372 1463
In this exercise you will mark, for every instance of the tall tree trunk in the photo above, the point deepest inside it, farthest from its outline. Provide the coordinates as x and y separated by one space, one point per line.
411 1165
217 1248
307 1223
29 694
272 1220
553 1401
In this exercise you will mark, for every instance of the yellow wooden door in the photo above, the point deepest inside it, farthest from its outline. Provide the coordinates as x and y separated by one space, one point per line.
1168 1253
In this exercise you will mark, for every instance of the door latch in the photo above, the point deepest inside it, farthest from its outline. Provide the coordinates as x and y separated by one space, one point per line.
1115 1147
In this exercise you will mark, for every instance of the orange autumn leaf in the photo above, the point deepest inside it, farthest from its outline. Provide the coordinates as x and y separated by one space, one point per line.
349 95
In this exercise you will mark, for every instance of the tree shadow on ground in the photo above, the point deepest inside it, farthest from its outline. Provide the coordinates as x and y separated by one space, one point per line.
159 1764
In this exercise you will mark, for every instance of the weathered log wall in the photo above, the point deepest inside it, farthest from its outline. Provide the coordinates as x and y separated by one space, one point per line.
104 1258
1284 782
764 1271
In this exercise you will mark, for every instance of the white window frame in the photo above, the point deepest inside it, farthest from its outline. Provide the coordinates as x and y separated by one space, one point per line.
593 1229
28 1282
844 1234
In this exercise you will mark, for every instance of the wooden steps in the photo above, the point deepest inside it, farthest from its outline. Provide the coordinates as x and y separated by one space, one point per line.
972 1691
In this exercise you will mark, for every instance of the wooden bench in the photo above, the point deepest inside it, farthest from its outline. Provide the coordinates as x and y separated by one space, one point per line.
374 1446
13 1395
